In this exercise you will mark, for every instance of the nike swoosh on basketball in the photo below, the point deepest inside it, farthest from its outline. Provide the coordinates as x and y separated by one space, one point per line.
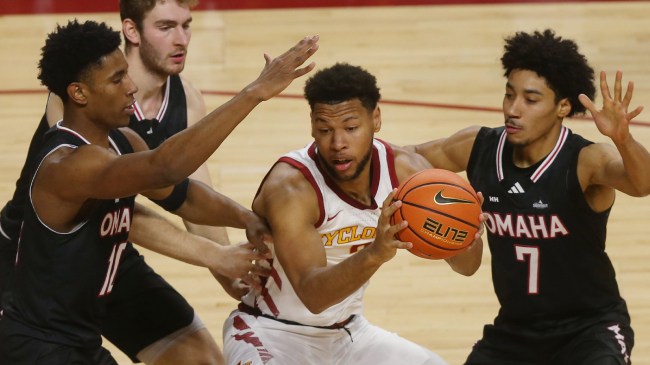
443 200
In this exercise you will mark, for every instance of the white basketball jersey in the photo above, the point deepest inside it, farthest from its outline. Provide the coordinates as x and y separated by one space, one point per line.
345 226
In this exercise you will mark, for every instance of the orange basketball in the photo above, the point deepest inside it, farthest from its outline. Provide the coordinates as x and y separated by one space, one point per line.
442 211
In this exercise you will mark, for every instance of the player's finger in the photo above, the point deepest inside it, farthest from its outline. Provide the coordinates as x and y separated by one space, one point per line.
259 271
404 245
618 85
631 115
628 94
394 229
251 281
389 199
604 88
301 71
481 199
588 104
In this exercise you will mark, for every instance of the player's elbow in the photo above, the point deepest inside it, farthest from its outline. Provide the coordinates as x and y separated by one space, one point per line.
467 270
167 172
315 306
314 301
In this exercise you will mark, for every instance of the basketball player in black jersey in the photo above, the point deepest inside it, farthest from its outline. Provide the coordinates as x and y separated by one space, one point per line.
157 35
548 193
82 187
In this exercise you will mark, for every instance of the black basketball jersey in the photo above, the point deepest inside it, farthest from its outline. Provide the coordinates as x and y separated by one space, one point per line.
11 216
62 281
547 244
171 118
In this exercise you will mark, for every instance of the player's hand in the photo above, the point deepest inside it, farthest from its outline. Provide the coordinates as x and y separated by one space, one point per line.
238 261
259 234
253 280
278 73
613 119
469 260
236 288
385 245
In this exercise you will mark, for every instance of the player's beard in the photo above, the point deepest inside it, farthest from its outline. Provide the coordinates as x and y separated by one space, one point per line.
154 62
337 176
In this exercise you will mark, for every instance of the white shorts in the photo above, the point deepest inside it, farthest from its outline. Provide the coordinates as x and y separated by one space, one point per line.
250 340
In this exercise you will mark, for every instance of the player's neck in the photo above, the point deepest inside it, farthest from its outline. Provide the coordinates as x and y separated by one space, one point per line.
534 151
151 85
358 188
94 131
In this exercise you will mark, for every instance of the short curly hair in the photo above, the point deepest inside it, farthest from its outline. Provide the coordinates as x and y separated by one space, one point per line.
342 82
557 60
72 50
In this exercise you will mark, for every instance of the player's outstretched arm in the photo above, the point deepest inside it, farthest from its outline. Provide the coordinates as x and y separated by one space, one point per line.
152 231
629 169
98 173
450 153
203 205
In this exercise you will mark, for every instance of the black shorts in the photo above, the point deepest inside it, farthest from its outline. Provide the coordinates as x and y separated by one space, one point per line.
19 348
143 308
607 341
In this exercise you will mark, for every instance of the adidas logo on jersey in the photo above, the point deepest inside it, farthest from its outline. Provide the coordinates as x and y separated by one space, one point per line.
516 189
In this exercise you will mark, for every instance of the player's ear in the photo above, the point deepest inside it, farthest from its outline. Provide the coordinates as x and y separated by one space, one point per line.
564 108
130 31
76 93
376 119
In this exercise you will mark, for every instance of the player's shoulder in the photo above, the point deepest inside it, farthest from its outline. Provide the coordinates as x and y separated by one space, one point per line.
190 89
286 187
408 162
284 177
194 101
597 154
133 139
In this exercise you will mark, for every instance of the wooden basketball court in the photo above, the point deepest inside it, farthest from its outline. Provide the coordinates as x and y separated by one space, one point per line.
439 71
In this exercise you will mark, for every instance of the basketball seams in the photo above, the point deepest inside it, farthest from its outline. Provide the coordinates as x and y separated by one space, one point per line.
440 204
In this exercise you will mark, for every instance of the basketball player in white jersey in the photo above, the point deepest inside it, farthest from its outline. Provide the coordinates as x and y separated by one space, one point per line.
329 206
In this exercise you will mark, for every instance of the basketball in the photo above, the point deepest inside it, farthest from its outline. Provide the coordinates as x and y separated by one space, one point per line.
442 211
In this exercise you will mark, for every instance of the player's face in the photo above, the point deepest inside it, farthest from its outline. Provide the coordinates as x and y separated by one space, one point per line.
109 91
343 134
165 36
530 110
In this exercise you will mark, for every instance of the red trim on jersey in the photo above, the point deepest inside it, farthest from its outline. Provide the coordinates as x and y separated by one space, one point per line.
307 174
276 278
390 158
139 114
165 102
502 141
340 193
266 297
71 131
564 133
